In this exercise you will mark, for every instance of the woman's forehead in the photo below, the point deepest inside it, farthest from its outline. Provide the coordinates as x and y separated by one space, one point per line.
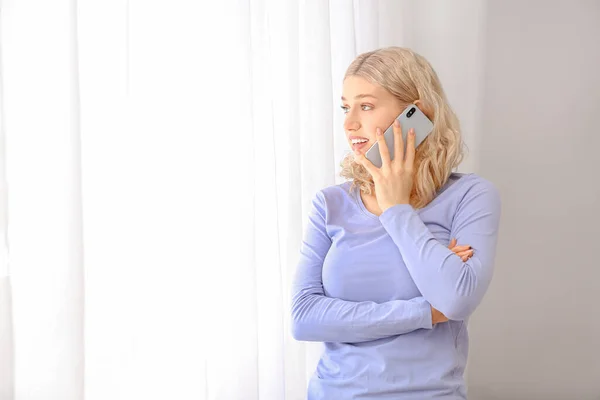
356 87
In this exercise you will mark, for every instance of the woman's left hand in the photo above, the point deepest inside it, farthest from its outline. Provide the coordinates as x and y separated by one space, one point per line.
394 180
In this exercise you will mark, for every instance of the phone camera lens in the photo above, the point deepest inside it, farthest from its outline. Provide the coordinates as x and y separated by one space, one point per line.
410 112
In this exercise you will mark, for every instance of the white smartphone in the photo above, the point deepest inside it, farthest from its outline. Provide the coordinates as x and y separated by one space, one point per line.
411 117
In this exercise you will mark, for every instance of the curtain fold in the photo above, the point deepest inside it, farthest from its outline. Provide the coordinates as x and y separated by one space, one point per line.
6 315
40 120
167 153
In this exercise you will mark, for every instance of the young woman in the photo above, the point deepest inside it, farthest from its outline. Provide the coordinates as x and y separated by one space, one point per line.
379 278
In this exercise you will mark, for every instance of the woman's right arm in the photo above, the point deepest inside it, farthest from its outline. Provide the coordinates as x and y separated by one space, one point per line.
316 317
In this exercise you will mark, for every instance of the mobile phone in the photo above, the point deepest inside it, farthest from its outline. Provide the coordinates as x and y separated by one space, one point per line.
411 117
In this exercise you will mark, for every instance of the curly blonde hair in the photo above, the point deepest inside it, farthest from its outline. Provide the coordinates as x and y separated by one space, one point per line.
410 77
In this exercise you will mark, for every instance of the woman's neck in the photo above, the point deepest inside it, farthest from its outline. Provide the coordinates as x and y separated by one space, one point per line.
370 202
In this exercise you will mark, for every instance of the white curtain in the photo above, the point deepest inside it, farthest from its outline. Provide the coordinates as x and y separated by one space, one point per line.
157 162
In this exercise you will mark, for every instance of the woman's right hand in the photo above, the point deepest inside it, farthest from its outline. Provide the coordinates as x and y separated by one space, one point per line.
464 252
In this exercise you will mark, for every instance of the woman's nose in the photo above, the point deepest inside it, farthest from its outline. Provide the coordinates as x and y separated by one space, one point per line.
351 124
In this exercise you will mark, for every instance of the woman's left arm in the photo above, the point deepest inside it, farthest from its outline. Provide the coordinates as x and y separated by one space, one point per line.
450 285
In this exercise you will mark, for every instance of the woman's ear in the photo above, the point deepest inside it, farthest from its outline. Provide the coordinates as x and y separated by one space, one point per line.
424 109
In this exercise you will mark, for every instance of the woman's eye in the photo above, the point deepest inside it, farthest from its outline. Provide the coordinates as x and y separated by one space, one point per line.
364 107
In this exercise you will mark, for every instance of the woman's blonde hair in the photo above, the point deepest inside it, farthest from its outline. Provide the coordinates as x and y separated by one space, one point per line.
410 77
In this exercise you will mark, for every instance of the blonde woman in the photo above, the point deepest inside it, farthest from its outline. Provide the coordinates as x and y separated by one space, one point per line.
380 279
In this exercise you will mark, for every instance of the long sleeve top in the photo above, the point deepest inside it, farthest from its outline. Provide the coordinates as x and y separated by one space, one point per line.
364 285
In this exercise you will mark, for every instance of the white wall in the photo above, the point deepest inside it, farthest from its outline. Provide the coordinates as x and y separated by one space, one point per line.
537 333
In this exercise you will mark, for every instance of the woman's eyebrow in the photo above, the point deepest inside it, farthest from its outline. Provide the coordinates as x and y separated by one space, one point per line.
360 96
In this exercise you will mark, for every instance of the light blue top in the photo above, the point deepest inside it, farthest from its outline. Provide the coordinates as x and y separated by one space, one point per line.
365 285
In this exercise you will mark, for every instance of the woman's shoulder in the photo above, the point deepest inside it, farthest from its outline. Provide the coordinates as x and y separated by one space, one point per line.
475 189
337 192
472 182
466 188
334 196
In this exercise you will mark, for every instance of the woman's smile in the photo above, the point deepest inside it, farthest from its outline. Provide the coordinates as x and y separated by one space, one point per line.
358 142
360 145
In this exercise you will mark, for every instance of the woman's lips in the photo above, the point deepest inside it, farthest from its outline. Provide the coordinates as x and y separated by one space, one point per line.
359 146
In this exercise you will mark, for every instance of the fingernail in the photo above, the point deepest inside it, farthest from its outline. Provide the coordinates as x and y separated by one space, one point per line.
396 122
412 132
378 131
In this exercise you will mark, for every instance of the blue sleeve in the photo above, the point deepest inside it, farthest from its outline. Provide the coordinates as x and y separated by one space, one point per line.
316 317
450 285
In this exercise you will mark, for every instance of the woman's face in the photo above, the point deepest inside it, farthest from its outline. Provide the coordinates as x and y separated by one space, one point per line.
367 107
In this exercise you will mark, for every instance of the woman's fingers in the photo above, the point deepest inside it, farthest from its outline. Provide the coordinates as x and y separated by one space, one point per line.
461 251
365 162
460 248
410 150
465 253
383 149
398 142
